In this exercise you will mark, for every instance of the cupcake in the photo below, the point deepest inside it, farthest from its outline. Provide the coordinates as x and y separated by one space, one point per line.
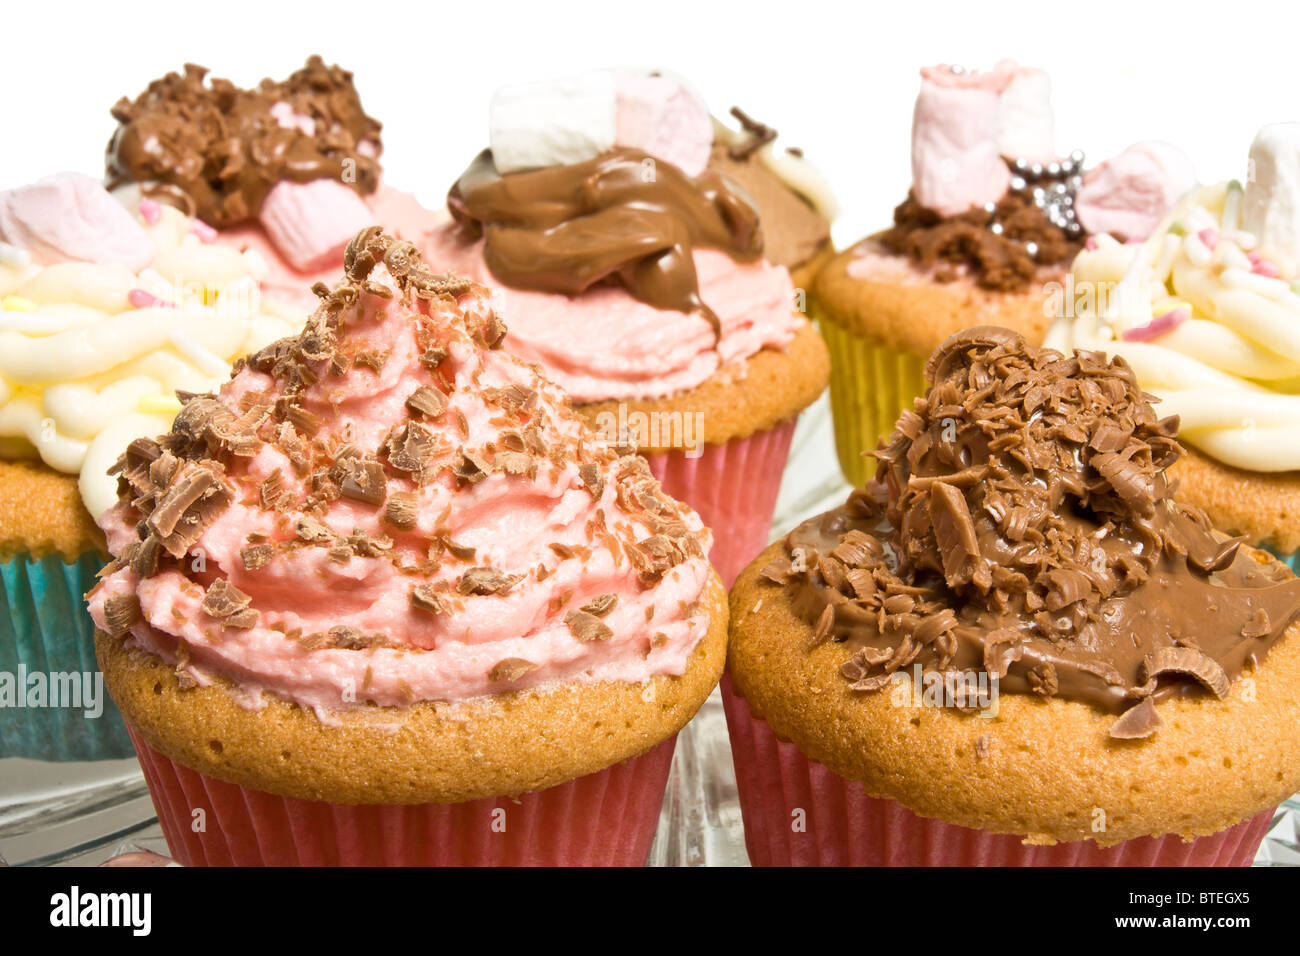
988 226
289 169
1013 646
1206 311
645 260
105 316
384 599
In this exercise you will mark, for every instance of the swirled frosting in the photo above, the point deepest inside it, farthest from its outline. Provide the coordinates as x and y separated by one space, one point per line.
94 347
388 509
1206 323
1021 524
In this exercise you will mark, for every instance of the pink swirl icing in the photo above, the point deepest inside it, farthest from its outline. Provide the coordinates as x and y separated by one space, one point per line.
605 345
511 521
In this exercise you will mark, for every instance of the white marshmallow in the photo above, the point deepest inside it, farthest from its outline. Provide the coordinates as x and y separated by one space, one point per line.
1271 206
1026 127
553 122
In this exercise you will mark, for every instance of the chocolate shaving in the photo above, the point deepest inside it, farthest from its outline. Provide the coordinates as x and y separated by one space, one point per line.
1186 662
121 612
510 670
1136 723
427 401
426 599
602 605
486 581
403 510
586 626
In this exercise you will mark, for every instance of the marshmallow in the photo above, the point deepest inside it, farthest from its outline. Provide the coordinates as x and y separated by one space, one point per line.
955 159
312 223
553 122
286 118
1129 194
1271 206
1025 121
69 217
665 118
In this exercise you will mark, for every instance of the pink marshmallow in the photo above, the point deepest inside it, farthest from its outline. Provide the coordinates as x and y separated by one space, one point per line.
286 118
955 160
1129 194
69 217
665 118
312 223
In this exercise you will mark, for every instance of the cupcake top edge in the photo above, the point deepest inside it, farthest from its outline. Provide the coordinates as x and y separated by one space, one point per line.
217 150
993 200
107 308
388 509
1021 536
1206 309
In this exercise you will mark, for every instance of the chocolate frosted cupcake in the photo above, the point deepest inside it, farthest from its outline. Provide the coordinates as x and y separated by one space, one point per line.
384 599
288 169
1013 646
645 259
989 225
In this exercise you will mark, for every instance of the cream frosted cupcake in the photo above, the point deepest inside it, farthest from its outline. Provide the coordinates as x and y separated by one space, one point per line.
1206 312
1013 647
289 169
105 317
632 241
990 222
386 582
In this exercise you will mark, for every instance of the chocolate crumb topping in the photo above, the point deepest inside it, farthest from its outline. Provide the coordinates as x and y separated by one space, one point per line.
215 150
955 245
1021 523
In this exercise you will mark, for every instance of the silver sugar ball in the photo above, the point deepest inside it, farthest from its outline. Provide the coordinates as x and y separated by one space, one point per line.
1053 170
1074 229
1076 157
1017 184
1031 248
1068 167
1022 165
1036 170
996 228
990 207
1074 182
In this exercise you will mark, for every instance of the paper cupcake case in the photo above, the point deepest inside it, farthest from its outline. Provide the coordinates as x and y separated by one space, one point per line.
798 813
603 819
45 629
734 488
870 385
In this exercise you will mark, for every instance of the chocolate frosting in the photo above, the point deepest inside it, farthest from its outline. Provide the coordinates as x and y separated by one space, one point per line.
965 244
1021 523
621 217
215 150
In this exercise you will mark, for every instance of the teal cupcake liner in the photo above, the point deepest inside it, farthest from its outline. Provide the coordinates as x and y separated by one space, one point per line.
53 703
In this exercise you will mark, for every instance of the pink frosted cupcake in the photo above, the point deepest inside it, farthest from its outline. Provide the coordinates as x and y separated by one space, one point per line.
1013 647
385 600
651 285
288 169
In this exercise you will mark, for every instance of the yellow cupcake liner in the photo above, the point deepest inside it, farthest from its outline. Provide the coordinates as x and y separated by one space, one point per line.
870 385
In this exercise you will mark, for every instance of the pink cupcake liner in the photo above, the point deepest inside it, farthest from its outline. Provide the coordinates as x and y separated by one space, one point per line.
603 819
734 489
843 826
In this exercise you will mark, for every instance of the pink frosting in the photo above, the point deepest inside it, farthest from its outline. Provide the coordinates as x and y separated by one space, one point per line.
1129 194
69 217
956 163
399 213
511 520
606 345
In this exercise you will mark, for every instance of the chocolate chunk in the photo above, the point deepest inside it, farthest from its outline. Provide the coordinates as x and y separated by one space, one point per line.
362 479
1136 723
471 468
486 581
312 530
223 599
592 479
601 605
586 626
1187 662
513 462
427 401
413 450
257 556
121 612
954 532
510 670
424 597
403 510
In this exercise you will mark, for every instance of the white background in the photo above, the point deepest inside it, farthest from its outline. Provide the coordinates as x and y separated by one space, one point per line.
836 79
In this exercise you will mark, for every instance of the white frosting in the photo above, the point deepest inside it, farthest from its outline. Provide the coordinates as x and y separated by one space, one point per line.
91 355
1231 369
